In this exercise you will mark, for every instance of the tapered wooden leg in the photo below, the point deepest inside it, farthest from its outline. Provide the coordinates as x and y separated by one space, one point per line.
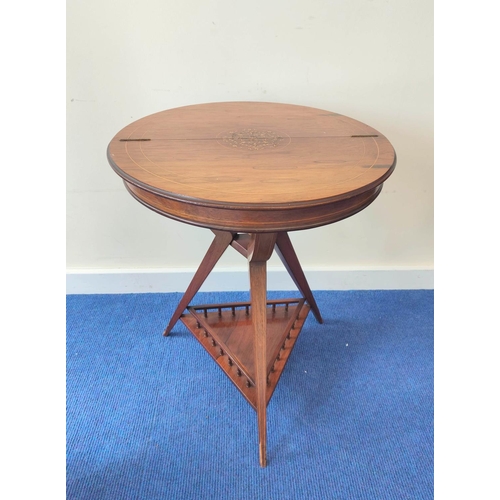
221 241
258 297
259 253
289 258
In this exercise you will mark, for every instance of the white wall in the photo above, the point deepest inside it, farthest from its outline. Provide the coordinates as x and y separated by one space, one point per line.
368 59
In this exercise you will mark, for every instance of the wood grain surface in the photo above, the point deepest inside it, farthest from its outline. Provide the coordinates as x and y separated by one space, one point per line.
249 156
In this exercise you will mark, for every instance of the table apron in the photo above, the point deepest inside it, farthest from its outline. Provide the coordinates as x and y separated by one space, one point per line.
254 220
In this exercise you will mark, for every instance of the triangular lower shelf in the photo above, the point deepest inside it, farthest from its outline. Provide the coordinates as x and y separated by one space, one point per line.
226 333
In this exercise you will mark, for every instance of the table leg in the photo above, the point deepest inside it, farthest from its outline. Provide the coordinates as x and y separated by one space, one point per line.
289 258
219 245
259 253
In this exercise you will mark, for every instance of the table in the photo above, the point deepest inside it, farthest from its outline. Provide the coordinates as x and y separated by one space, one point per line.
251 172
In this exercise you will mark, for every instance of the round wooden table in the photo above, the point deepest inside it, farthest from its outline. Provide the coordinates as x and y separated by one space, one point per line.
251 172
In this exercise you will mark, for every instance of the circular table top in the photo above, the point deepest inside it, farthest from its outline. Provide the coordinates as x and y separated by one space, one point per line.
249 156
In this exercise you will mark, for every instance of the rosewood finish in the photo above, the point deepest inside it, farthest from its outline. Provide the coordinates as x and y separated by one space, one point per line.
251 172
307 168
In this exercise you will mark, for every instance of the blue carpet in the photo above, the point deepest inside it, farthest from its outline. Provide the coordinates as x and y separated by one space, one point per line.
151 418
